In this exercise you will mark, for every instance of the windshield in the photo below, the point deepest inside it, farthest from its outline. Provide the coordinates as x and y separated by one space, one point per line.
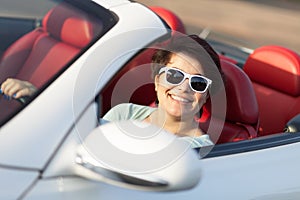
41 40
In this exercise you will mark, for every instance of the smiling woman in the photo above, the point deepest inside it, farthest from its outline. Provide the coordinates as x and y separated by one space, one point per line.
186 72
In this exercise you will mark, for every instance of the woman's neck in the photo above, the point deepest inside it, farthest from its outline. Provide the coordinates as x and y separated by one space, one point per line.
179 126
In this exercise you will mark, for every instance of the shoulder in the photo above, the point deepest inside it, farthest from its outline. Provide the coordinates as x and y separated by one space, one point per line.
129 108
126 111
118 112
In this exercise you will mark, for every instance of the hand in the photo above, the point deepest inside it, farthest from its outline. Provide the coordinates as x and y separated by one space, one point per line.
17 88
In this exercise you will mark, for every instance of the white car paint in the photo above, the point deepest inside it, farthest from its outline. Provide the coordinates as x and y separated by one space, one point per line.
28 146
253 176
15 181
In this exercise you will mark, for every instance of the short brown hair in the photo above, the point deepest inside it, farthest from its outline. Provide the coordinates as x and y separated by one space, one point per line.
195 47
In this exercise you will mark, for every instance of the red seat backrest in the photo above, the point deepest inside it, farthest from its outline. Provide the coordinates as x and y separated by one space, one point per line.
132 84
170 18
242 118
275 74
39 55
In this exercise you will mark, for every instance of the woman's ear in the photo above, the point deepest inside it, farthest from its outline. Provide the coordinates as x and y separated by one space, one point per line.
205 98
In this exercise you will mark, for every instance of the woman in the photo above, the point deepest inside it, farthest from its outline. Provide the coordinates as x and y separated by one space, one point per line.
185 73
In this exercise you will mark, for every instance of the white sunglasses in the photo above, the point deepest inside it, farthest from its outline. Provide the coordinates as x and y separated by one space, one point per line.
175 76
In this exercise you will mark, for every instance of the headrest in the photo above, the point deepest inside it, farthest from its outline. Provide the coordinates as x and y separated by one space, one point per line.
242 105
71 25
275 67
170 18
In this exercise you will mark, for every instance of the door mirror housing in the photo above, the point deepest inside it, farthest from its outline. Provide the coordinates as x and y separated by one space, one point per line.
293 125
138 155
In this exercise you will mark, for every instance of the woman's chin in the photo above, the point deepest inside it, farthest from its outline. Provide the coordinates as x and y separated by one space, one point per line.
181 114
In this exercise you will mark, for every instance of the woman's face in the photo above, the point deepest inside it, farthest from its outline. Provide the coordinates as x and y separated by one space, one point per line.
180 101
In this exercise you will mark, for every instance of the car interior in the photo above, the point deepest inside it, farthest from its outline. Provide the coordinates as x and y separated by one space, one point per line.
40 54
241 120
255 92
275 75
263 96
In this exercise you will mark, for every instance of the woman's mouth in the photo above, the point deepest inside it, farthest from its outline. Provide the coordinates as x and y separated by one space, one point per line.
180 99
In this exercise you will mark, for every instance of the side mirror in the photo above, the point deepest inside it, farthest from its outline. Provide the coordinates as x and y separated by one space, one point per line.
137 155
293 125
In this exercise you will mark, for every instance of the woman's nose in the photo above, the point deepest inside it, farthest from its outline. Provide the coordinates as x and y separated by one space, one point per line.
185 86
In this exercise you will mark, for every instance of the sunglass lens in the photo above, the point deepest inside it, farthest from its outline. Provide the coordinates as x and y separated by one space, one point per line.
174 76
198 84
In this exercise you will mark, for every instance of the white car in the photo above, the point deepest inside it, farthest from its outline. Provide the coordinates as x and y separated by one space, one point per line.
82 57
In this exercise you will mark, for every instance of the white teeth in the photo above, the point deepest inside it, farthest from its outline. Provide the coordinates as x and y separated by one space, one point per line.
180 99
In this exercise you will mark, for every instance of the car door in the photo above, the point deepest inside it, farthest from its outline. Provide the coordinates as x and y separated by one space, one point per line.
25 146
264 169
32 139
13 25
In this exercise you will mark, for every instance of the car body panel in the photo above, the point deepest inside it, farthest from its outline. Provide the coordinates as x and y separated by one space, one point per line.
14 182
59 119
109 4
223 178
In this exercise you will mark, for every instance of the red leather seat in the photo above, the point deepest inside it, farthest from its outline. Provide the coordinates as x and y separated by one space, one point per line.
242 118
242 114
39 55
170 18
275 74
134 85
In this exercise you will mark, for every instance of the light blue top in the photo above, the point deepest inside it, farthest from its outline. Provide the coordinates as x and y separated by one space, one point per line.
129 111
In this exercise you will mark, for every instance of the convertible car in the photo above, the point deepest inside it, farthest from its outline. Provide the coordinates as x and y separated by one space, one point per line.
87 56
